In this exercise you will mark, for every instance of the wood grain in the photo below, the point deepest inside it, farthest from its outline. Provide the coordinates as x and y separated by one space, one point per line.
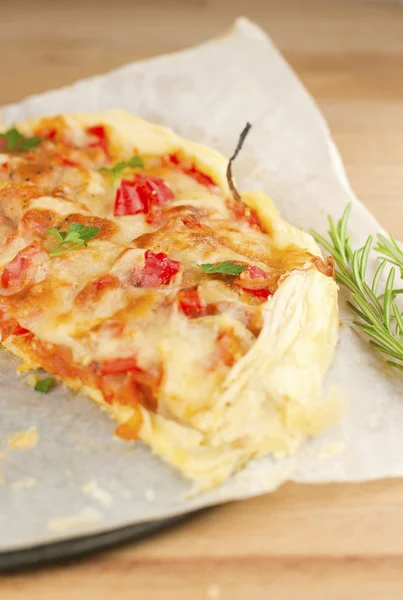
314 542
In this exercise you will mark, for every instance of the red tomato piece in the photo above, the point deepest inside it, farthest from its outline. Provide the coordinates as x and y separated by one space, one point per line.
254 272
20 330
244 213
158 270
128 201
67 162
49 134
10 237
174 159
262 293
141 195
106 281
190 303
15 273
14 270
101 139
117 366
199 176
192 171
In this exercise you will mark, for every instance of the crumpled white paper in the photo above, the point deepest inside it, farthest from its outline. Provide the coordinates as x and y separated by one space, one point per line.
79 478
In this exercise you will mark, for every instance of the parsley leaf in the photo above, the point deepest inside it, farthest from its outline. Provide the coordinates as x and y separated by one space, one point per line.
132 163
61 235
224 268
45 385
14 140
77 236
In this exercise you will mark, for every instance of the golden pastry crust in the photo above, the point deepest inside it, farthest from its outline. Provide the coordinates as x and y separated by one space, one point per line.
208 370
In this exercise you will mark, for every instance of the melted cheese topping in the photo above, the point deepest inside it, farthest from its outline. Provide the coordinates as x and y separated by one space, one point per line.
209 370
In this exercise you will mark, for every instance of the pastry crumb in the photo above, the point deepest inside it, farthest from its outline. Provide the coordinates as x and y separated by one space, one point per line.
32 379
331 450
149 495
26 366
23 440
24 484
95 492
84 517
213 591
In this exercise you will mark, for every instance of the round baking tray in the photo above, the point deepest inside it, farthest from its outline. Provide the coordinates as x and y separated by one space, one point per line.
79 547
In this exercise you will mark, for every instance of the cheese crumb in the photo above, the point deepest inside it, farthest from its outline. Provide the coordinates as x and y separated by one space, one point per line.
213 591
86 516
95 492
24 439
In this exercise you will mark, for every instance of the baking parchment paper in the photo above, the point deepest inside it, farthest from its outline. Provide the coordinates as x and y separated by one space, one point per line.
79 479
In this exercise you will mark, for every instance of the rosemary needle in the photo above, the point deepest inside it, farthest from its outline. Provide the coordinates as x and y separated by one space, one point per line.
378 314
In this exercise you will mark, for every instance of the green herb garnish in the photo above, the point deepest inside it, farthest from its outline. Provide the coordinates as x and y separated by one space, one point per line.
225 268
16 141
45 385
77 236
132 163
379 315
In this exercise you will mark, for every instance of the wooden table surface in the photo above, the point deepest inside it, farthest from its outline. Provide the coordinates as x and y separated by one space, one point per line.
305 542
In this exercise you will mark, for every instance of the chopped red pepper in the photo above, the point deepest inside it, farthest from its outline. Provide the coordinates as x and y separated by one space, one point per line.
158 270
101 139
141 195
190 303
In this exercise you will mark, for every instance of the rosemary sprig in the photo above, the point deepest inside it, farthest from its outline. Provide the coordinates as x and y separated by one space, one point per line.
379 316
230 178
